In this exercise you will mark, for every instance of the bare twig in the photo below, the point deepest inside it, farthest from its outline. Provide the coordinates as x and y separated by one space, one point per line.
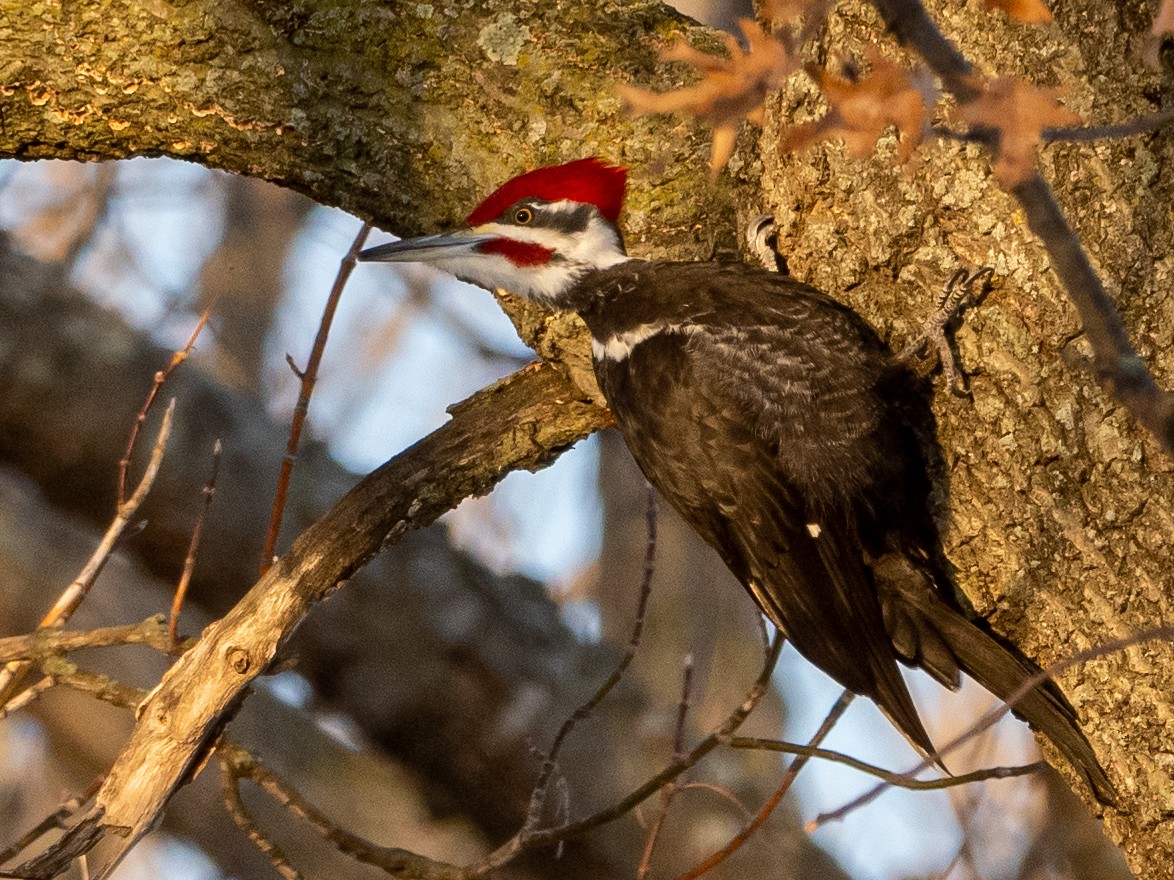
308 378
524 421
901 780
1118 367
400 862
93 684
1163 633
25 697
189 562
240 763
669 791
43 642
1072 133
68 602
527 840
177 358
55 821
230 789
751 827
538 797
1129 128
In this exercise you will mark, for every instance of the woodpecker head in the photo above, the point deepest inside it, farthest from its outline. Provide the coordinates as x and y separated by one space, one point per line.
535 236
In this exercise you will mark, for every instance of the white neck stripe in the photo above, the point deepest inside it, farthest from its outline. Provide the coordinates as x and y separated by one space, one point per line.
618 347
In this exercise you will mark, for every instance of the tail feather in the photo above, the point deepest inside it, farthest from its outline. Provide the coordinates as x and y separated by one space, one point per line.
872 670
1004 672
908 596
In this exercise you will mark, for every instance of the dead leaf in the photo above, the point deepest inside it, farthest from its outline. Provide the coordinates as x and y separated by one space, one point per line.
1163 19
1030 11
1163 24
731 89
1019 112
861 110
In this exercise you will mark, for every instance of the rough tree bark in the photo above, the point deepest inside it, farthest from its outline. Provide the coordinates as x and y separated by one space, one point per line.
1055 503
1055 508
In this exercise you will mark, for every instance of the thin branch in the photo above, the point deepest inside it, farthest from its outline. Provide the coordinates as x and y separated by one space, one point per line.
55 821
68 602
532 839
177 358
308 378
189 562
901 780
400 862
94 684
538 798
230 789
43 642
908 21
751 827
1118 367
1163 633
26 697
242 765
1129 128
669 791
523 421
1069 133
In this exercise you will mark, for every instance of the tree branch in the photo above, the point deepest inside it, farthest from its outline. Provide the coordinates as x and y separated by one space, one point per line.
523 421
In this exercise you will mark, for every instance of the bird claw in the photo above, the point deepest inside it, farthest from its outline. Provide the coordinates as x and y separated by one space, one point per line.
952 301
762 239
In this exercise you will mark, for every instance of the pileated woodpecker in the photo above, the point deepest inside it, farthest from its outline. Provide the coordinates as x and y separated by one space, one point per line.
777 424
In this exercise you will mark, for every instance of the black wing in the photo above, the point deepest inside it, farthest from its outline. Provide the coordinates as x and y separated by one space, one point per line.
774 420
764 440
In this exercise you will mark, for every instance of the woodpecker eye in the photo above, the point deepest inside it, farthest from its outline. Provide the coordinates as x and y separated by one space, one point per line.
523 216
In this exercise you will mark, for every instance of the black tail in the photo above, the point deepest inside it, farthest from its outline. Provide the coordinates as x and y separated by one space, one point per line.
930 633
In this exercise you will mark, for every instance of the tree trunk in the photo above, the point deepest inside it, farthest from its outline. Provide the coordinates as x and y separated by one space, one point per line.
1055 505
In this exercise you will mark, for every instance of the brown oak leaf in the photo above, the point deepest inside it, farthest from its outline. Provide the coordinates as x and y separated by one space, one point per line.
1163 19
1019 112
731 89
1030 11
1163 24
861 110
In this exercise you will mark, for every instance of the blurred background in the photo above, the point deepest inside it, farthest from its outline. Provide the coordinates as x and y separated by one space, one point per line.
418 697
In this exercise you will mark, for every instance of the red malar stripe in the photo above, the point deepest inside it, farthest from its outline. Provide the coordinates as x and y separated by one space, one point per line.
520 253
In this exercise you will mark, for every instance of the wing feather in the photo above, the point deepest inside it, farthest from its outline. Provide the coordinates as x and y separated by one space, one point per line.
720 422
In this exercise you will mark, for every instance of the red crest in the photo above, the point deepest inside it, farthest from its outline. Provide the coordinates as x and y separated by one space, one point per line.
589 181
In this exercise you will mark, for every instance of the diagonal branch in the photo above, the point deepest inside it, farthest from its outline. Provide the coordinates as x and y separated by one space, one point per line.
71 598
524 421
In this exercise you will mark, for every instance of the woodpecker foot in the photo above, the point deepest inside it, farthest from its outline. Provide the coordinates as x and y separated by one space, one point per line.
762 240
963 288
